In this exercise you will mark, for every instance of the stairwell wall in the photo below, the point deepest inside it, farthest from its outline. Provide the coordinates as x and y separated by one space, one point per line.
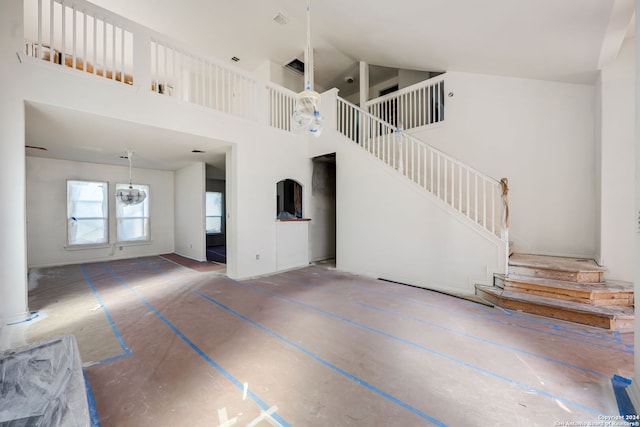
615 141
388 227
538 134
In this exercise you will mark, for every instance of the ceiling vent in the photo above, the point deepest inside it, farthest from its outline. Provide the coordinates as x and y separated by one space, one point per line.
296 65
281 19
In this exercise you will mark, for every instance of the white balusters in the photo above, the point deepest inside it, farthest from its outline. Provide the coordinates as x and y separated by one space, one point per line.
418 105
75 34
464 189
281 105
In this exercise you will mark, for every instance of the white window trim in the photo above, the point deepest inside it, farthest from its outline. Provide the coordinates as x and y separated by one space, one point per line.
116 218
80 246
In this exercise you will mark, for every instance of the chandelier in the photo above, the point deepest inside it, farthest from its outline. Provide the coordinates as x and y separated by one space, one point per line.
130 196
306 114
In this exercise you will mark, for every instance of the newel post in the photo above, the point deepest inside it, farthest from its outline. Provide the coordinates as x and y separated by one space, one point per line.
504 232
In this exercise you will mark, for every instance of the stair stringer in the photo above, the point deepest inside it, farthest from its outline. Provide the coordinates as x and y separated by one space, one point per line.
390 227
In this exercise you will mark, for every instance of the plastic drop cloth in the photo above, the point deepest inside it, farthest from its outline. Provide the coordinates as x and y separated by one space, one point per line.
43 385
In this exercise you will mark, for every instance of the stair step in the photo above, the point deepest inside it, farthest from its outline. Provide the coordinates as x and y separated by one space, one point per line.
608 317
575 270
600 294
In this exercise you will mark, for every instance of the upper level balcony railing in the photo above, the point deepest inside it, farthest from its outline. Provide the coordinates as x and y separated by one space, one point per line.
89 39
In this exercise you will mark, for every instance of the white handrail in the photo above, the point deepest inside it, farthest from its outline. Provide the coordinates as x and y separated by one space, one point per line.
465 189
281 104
81 36
415 106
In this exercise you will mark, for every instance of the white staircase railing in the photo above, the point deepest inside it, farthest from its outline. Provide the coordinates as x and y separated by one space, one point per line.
415 106
281 104
463 188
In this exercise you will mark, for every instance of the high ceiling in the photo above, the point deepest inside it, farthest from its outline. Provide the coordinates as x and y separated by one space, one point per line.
542 39
564 40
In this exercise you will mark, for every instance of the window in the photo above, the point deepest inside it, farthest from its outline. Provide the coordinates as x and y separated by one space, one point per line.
289 199
213 212
87 208
132 221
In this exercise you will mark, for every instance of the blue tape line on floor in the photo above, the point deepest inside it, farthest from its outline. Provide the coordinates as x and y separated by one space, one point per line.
307 352
484 340
627 348
191 344
114 328
91 401
594 332
32 315
625 406
454 331
424 348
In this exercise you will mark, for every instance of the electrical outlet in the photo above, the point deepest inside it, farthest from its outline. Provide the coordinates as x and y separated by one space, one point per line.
257 256
120 248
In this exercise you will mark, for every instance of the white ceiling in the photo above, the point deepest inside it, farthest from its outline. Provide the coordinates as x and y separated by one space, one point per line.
541 39
564 40
84 137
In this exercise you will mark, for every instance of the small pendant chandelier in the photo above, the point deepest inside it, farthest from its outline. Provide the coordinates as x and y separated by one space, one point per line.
306 114
130 196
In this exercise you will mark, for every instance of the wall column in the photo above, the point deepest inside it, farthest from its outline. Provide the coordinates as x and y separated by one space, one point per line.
13 246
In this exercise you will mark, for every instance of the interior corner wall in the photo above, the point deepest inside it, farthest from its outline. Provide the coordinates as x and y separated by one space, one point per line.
388 227
617 180
189 211
538 134
47 211
598 141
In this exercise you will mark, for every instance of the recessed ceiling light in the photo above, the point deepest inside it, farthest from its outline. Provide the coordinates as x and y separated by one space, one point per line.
197 151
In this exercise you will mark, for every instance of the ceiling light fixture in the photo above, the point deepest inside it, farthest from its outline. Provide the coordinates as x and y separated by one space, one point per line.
306 114
130 196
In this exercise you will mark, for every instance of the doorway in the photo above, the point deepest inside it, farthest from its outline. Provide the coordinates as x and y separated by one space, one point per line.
215 221
322 228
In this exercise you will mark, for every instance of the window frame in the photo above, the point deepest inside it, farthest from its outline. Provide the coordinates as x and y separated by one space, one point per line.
118 217
221 216
105 218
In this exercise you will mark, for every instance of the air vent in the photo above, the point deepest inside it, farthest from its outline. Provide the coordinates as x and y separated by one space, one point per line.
296 65
281 19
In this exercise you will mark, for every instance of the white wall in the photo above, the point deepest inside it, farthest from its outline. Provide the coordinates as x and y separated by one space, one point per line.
189 210
538 134
13 247
389 228
407 78
47 211
255 167
617 167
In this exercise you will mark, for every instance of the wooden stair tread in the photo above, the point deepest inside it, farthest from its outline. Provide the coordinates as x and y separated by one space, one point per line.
562 284
601 311
545 262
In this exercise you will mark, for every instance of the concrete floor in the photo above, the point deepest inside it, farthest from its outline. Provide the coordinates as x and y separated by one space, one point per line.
166 345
